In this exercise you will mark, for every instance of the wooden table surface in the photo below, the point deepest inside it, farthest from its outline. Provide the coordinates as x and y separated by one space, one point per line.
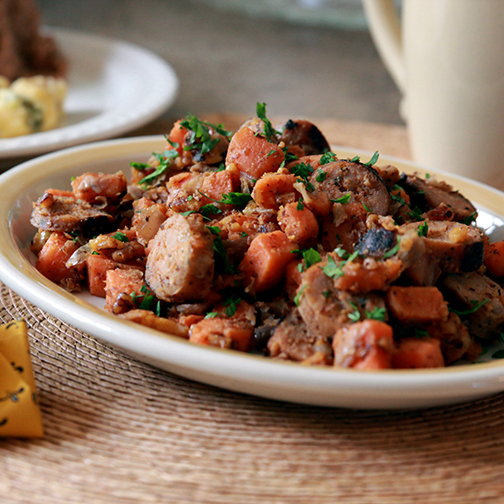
120 431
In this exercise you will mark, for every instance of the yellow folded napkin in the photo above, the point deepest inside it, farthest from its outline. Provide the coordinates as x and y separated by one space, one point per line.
19 412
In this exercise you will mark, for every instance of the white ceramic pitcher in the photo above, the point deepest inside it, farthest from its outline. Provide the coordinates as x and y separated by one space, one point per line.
447 58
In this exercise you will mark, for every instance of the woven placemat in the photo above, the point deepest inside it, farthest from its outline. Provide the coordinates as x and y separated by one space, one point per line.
120 431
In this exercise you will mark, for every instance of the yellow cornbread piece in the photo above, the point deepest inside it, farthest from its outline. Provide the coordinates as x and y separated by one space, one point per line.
31 105
19 412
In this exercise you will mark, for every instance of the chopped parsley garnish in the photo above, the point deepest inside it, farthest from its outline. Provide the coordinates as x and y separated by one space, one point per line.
95 253
396 197
200 138
321 176
189 212
393 250
377 313
231 198
212 314
269 131
355 315
342 199
332 269
355 159
206 210
121 237
300 205
470 219
366 207
165 161
288 157
231 304
421 333
138 166
220 251
475 307
416 214
303 171
423 229
311 257
271 152
327 157
373 159
297 299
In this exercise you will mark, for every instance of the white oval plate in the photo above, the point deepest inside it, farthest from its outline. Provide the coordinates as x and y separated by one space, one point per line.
113 87
229 369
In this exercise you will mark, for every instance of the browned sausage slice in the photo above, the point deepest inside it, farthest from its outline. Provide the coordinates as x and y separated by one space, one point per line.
60 213
180 265
430 194
363 181
291 340
304 134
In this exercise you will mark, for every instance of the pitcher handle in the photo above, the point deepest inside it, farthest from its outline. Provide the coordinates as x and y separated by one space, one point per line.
385 28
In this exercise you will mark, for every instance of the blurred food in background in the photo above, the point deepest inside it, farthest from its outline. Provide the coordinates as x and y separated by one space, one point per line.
32 72
31 104
24 50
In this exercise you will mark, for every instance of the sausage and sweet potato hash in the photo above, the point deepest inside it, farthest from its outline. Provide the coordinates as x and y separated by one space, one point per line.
266 241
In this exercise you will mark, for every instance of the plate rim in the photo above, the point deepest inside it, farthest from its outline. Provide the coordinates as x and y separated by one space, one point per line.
161 96
387 390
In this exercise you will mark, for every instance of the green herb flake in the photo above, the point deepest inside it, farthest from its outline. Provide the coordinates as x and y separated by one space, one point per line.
220 251
342 199
475 307
139 166
231 305
373 159
421 333
121 237
297 299
212 314
423 229
332 270
189 212
377 313
321 176
499 354
300 205
355 159
393 250
311 257
355 315
327 157
470 219
165 161
269 131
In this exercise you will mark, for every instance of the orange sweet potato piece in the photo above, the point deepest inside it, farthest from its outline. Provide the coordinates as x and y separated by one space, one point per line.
177 135
494 259
416 305
53 256
366 345
97 267
119 281
253 155
222 333
418 353
298 223
216 184
266 259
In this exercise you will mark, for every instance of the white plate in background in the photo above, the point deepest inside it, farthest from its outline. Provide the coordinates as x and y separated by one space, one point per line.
113 87
229 369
